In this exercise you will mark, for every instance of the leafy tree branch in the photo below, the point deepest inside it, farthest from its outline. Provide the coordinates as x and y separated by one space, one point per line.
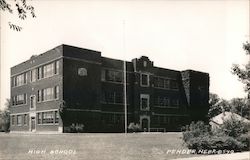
22 8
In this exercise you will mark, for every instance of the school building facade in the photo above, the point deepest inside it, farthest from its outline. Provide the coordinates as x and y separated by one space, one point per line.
68 89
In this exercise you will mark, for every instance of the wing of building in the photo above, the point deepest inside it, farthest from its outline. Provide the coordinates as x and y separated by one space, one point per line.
71 89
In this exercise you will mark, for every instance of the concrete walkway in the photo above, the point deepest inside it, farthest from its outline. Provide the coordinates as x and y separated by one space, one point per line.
233 156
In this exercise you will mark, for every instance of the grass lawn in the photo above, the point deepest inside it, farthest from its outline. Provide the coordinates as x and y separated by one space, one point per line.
133 146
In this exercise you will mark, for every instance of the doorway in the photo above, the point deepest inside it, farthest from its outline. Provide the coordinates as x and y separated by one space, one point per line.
145 123
33 124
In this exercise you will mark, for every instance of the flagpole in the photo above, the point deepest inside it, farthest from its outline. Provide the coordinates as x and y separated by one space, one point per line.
125 81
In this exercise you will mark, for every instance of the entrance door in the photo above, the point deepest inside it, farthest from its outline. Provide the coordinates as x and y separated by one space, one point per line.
33 124
145 125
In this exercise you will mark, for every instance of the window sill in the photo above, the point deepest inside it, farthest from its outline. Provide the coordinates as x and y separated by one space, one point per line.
19 105
20 85
48 100
166 107
146 109
114 82
49 124
171 89
37 80
144 85
113 103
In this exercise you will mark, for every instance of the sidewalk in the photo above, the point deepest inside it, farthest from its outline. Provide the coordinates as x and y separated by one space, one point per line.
233 156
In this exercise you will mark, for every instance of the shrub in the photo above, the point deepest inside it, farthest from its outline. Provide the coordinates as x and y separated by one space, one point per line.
133 127
195 130
232 135
233 127
245 139
210 142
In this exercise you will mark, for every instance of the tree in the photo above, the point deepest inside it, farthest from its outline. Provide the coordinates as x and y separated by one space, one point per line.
218 105
21 7
214 107
225 105
5 116
243 73
240 106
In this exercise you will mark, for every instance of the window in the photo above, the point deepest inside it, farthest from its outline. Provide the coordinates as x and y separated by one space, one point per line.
39 118
144 63
175 102
32 102
174 85
48 94
57 67
48 117
161 82
19 120
113 118
112 76
166 83
33 75
103 75
13 81
82 72
51 117
113 97
25 119
48 70
19 99
56 117
118 97
39 73
162 101
13 120
144 102
144 80
162 119
19 80
56 92
39 96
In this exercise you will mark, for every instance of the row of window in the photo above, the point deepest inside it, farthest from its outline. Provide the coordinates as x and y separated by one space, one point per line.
19 99
118 98
48 117
19 80
19 120
166 102
159 102
165 119
48 94
113 118
113 76
159 82
48 70
44 71
165 83
117 76
113 98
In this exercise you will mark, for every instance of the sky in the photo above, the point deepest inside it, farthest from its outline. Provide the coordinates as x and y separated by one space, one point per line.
185 34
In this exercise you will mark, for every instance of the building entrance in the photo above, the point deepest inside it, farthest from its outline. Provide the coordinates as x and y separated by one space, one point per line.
33 124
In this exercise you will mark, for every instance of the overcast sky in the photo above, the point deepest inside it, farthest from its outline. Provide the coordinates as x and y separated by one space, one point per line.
200 35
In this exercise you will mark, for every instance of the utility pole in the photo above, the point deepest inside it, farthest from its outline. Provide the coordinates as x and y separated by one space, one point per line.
125 82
